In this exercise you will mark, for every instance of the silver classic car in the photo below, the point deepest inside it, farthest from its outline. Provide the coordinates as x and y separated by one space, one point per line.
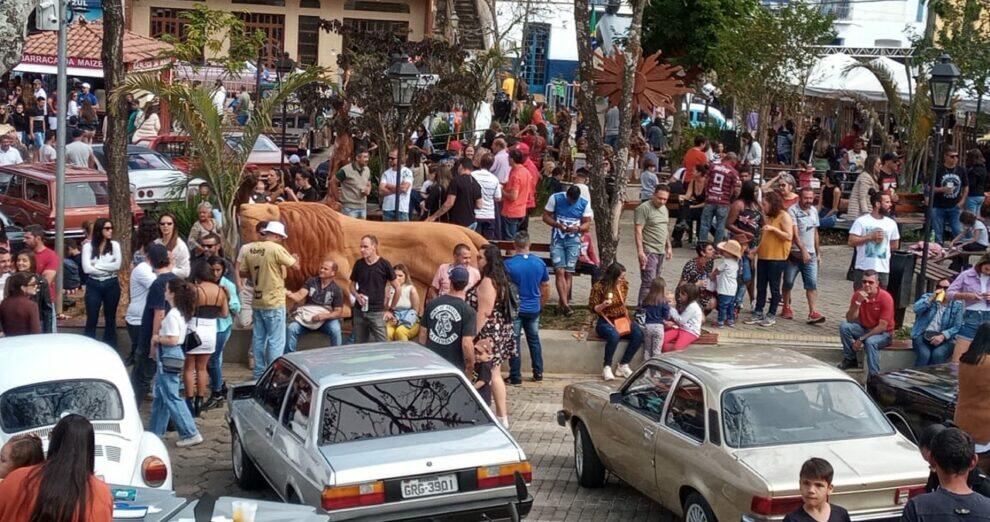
721 433
387 431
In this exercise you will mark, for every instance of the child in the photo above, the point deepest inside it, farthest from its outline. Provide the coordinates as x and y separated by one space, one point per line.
648 180
483 373
816 486
684 326
657 311
19 452
973 238
725 273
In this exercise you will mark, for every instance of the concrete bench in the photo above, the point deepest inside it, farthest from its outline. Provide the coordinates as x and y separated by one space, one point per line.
897 356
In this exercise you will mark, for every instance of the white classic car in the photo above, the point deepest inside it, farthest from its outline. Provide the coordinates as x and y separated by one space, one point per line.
45 377
154 179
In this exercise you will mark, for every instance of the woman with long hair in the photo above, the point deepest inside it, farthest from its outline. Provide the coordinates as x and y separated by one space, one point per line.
218 267
859 197
211 304
698 271
772 255
146 235
422 141
972 409
101 262
25 262
64 487
405 323
828 206
19 315
149 127
745 222
691 205
492 298
976 175
608 301
88 119
436 194
169 236
167 347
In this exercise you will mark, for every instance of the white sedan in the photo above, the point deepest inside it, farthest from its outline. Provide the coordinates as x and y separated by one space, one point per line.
45 377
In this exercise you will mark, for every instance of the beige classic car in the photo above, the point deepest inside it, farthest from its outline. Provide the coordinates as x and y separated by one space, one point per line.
720 434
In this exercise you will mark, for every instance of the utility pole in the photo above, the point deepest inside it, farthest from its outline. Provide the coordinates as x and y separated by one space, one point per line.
60 147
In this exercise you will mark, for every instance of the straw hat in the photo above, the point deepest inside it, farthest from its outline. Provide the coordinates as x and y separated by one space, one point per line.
731 247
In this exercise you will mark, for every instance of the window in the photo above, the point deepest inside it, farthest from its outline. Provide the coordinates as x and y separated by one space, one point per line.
315 4
385 409
686 413
86 194
297 408
280 3
367 26
308 51
15 188
36 192
799 413
166 20
380 7
536 46
43 404
272 387
274 28
648 392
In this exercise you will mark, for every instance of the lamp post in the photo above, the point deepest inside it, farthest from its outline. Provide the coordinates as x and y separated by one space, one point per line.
941 86
285 65
403 77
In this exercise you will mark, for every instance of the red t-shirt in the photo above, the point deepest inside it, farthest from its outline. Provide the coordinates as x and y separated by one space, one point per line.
722 182
534 178
47 260
518 179
873 310
692 158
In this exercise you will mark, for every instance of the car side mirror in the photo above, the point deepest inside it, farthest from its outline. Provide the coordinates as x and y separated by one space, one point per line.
615 398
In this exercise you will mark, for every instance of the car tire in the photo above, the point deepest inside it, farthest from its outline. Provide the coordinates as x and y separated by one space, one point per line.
696 509
589 468
246 473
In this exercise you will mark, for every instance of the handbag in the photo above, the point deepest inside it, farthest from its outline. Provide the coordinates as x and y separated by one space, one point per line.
172 364
621 324
192 341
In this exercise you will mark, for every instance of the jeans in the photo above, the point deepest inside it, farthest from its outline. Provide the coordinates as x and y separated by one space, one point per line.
925 354
611 336
167 403
808 271
105 293
267 337
974 203
359 213
612 140
828 220
143 371
769 275
486 227
369 326
530 322
717 212
133 331
943 216
39 139
654 264
215 365
510 227
330 328
564 253
849 332
389 215
726 308
747 276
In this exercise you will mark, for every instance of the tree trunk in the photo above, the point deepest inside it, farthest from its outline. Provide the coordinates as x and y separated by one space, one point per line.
13 17
115 140
585 99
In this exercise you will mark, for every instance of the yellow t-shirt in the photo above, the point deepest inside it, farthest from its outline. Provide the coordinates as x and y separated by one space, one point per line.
509 86
772 247
264 260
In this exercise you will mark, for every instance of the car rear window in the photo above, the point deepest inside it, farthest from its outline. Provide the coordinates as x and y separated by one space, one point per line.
86 194
800 412
383 409
43 404
147 161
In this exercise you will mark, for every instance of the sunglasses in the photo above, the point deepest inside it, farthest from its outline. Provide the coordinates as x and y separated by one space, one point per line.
953 155
943 287
108 227
869 283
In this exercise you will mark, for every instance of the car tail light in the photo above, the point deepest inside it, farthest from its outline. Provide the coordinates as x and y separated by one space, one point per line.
154 471
902 495
504 475
140 193
367 494
151 193
774 506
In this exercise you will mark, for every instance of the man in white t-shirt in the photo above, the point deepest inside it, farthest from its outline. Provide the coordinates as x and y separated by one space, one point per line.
387 190
491 194
874 236
8 154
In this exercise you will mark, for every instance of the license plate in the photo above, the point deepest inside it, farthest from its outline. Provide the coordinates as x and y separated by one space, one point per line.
425 487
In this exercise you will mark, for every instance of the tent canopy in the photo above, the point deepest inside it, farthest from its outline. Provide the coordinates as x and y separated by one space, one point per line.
829 77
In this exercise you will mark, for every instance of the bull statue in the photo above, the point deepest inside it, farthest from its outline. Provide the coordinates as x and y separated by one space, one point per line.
317 232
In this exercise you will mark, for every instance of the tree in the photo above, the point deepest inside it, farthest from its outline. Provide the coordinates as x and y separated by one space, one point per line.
192 106
689 32
13 31
965 35
115 139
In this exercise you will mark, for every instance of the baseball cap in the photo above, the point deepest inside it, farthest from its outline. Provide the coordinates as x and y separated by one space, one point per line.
888 156
523 148
294 158
157 254
275 227
459 274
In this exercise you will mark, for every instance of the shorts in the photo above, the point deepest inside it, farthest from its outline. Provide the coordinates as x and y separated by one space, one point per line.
564 253
972 319
809 274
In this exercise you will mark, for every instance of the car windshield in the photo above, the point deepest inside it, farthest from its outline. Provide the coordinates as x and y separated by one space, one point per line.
147 161
86 194
43 404
801 412
263 144
384 409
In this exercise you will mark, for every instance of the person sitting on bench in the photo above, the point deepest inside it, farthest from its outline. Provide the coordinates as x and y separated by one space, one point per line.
869 324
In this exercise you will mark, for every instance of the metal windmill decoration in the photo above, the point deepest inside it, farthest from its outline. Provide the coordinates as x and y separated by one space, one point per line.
657 83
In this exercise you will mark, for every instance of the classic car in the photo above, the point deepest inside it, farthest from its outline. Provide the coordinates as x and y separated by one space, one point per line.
376 432
83 376
154 179
913 398
178 149
721 433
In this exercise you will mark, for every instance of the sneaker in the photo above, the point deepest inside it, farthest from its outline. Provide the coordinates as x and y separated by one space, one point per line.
537 377
846 364
717 324
567 311
756 319
768 321
787 313
607 374
816 318
640 318
730 323
191 441
624 371
515 381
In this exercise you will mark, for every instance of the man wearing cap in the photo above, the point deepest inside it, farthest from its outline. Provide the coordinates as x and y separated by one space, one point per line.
79 153
152 315
86 95
449 324
355 185
264 262
388 189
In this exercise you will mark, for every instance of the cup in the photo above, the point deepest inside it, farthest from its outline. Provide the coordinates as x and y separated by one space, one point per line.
246 511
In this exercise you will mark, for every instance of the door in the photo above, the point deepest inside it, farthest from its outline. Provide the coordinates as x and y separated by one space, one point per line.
13 204
630 427
261 416
290 443
680 440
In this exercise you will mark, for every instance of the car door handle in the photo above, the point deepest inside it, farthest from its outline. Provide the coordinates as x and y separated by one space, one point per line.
648 433
270 430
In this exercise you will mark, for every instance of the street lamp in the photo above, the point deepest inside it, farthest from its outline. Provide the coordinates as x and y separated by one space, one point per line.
941 86
403 77
284 65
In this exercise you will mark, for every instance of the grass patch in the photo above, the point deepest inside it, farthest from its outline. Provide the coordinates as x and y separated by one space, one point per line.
551 319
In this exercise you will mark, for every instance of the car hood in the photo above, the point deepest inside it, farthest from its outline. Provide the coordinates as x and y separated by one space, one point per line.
882 462
420 453
156 178
940 381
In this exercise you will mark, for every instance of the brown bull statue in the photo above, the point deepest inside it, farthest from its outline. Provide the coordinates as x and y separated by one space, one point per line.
317 232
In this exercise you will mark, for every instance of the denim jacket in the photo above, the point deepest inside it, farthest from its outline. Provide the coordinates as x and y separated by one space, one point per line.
924 312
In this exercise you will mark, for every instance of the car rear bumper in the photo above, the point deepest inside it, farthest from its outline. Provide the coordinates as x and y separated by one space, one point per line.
494 509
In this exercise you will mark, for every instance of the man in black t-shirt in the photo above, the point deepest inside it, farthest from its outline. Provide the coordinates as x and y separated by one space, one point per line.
369 276
321 307
463 197
448 326
953 456
948 194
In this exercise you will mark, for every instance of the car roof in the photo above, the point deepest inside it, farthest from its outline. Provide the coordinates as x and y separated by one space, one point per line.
64 356
722 368
46 172
368 362
131 149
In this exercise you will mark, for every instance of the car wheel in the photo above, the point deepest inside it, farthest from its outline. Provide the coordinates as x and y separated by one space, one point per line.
589 468
696 509
245 471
